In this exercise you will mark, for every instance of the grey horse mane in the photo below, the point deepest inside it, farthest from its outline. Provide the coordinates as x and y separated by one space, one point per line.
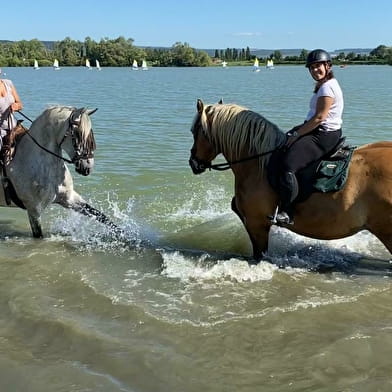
56 112
239 132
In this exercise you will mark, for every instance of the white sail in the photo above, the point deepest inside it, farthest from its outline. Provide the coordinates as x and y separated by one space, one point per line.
88 64
97 65
270 64
56 65
144 65
224 64
134 65
256 65
36 64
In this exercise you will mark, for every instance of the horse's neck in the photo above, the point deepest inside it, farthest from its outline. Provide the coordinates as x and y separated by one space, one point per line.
46 134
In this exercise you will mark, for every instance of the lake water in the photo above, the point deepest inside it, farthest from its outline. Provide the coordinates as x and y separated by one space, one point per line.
177 308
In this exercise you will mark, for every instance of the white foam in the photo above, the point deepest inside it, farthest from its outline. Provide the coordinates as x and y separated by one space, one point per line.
213 204
185 268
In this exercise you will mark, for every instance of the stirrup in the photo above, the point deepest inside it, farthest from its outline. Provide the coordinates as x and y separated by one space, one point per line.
280 218
272 218
283 218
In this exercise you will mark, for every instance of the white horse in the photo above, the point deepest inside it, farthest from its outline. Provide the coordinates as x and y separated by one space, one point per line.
37 175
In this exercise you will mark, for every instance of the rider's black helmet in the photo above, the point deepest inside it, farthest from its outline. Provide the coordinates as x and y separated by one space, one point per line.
318 56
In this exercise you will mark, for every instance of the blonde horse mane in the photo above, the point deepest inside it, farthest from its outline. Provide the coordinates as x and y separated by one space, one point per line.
239 132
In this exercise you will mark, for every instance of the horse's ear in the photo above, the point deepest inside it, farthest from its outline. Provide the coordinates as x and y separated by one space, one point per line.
92 111
220 101
200 106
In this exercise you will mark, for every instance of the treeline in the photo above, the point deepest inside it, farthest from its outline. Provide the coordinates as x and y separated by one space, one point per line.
380 55
119 52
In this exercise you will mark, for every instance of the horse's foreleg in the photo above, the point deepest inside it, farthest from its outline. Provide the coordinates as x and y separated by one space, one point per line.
258 233
85 209
68 198
235 209
35 224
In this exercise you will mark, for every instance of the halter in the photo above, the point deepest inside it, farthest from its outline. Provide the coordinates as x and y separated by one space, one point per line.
72 128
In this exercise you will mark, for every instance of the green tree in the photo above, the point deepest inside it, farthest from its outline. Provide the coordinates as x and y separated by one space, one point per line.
277 56
247 53
381 51
303 55
183 55
389 56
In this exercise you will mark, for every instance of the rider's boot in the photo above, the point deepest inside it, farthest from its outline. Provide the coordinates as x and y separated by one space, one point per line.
288 193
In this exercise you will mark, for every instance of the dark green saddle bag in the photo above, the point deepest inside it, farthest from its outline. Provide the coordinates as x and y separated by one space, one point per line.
332 173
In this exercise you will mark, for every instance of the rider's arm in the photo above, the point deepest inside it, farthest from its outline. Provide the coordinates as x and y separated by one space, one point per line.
322 110
17 105
323 105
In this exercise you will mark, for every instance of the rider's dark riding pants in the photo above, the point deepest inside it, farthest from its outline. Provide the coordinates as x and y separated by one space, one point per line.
304 151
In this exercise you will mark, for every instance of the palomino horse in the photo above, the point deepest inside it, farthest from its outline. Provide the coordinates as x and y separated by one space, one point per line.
246 139
37 175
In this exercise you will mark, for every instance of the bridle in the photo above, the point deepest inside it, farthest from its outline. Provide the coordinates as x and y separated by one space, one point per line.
198 165
227 165
204 165
71 131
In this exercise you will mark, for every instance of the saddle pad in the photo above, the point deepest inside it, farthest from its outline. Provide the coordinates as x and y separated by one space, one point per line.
332 174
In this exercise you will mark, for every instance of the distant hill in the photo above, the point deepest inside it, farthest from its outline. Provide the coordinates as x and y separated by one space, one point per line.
355 50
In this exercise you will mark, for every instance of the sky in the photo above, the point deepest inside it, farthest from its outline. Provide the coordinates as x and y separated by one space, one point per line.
203 24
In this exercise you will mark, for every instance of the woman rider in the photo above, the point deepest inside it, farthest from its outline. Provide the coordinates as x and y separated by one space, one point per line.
9 103
317 136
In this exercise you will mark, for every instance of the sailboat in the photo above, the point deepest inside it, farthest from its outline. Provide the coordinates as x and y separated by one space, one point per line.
97 66
270 64
36 64
224 64
56 65
88 64
256 65
134 65
144 65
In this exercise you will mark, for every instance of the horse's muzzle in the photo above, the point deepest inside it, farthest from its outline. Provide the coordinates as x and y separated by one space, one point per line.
84 166
197 166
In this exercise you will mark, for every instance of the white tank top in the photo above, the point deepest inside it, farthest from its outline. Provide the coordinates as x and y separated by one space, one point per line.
5 103
334 121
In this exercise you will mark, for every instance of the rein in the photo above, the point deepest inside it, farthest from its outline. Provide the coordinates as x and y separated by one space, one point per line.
44 148
227 165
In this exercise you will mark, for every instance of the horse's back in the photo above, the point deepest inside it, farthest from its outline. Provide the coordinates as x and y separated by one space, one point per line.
376 145
375 154
371 165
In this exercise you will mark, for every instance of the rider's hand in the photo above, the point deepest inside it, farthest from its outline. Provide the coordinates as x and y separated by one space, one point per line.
292 136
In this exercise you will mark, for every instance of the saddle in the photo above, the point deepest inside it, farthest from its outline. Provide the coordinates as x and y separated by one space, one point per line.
7 153
328 174
10 141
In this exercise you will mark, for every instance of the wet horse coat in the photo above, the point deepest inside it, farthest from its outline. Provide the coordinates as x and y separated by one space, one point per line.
37 173
365 202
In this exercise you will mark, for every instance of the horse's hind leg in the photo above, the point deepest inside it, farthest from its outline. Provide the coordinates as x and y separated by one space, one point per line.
35 224
385 237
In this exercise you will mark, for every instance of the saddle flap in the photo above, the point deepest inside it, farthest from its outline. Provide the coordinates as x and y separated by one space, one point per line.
10 141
